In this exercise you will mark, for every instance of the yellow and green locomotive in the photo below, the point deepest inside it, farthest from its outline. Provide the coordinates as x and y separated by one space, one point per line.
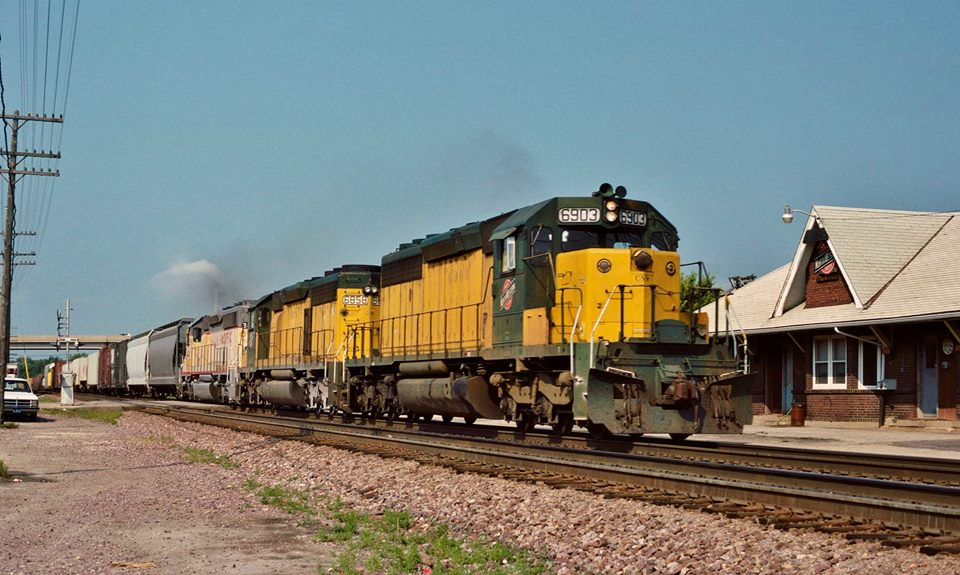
302 335
560 313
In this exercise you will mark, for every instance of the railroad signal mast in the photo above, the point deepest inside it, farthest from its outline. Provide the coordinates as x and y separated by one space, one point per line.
15 172
67 377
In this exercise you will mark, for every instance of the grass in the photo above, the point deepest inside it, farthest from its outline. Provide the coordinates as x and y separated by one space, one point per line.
391 543
106 415
9 425
292 501
198 455
3 470
49 399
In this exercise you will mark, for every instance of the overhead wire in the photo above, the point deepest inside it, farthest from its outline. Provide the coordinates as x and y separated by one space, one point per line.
45 210
44 90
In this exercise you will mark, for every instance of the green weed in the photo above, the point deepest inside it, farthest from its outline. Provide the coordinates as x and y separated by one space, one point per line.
9 425
3 470
198 455
390 544
291 501
104 415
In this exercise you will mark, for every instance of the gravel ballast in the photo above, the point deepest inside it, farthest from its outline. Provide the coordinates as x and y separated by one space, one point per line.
578 532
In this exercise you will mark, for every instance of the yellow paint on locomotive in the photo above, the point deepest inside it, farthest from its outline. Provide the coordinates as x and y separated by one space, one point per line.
401 306
216 351
650 295
446 310
356 315
326 331
287 330
302 333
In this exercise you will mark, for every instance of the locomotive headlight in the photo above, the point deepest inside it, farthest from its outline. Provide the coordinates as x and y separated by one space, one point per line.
643 260
374 289
367 290
604 265
610 205
610 216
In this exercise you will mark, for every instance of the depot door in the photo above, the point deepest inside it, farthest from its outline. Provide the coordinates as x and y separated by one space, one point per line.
786 399
927 367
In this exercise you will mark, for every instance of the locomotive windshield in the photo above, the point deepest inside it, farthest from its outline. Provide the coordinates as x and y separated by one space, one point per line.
581 239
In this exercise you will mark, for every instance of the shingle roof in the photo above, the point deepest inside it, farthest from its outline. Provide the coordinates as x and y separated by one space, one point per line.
899 266
874 245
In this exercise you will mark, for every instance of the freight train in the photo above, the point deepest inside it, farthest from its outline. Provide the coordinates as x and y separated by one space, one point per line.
565 312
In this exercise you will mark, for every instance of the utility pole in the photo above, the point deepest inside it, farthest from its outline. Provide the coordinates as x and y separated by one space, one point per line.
14 158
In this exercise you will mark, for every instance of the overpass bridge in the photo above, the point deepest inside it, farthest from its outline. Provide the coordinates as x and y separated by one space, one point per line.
46 342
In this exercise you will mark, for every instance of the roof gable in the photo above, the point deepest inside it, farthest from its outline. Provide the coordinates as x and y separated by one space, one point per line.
870 247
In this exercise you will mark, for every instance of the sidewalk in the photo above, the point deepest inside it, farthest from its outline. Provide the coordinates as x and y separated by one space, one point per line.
919 442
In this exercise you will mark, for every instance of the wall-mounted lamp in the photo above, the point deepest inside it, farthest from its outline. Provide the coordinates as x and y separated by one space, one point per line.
788 214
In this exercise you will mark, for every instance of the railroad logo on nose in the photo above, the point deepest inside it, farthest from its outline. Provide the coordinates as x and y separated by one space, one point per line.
506 297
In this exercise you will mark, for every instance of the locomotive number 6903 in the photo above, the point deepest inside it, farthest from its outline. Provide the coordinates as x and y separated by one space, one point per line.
579 215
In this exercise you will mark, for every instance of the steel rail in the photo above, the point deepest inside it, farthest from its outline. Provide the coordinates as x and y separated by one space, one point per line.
932 507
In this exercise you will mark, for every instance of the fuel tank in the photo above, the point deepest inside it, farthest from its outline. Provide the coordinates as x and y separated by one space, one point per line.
207 391
464 397
283 392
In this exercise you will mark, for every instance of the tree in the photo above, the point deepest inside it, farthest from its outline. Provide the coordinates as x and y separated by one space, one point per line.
695 291
36 365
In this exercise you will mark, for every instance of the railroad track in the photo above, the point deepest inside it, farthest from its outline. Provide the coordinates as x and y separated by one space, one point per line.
857 502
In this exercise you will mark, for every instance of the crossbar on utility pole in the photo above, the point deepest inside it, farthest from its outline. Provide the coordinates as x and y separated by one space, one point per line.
14 157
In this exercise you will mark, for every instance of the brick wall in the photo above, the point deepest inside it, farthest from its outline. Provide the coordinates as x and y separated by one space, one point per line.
825 289
852 403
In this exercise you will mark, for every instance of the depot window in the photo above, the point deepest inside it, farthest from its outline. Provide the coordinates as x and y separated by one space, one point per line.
870 368
830 362
509 253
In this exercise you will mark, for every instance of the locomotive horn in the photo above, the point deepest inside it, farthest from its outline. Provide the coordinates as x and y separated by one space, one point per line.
605 191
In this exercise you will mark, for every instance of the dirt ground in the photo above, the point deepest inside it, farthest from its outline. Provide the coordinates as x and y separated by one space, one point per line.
85 497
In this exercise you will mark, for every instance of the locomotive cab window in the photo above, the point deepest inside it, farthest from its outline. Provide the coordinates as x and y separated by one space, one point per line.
663 241
541 244
573 240
509 255
625 240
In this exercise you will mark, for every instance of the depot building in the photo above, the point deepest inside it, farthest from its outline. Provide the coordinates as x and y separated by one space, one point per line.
863 325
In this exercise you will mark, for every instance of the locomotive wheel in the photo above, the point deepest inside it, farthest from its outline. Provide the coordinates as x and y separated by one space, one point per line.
526 422
564 424
598 430
679 436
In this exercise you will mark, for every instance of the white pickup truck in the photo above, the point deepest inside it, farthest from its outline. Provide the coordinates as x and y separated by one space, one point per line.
18 398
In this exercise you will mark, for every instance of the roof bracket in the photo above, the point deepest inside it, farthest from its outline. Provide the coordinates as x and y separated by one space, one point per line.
796 343
953 330
887 343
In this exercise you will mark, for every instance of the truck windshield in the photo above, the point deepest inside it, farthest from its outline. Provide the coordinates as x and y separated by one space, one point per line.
15 386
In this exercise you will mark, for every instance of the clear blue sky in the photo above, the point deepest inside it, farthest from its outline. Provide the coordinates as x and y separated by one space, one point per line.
254 144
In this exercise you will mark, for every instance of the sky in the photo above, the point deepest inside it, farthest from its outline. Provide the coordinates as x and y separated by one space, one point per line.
219 150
